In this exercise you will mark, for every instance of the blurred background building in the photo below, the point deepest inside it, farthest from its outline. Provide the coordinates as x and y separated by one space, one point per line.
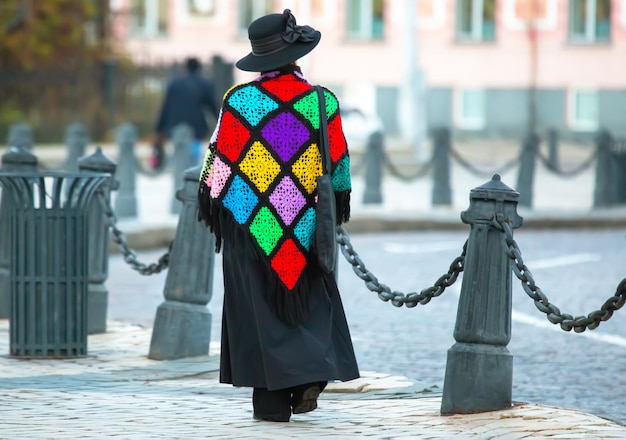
485 68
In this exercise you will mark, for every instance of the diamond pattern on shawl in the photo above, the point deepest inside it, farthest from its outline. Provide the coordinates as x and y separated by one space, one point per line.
240 199
230 141
266 229
285 134
341 176
287 200
308 167
336 140
286 88
260 167
252 104
305 228
220 172
288 263
309 108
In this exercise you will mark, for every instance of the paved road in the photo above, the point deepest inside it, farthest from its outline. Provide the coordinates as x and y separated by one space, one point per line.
577 270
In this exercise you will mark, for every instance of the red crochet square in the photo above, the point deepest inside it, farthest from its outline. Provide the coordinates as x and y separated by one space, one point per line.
286 88
232 137
288 263
336 139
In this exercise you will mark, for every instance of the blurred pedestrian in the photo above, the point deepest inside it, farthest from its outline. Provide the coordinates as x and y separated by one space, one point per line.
187 98
284 331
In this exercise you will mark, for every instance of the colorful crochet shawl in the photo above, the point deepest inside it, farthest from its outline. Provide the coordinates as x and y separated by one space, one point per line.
260 174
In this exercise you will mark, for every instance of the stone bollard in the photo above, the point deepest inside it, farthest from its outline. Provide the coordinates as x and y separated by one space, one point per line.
479 369
526 171
126 199
20 135
604 194
182 327
182 137
442 192
16 159
76 140
553 148
374 159
98 242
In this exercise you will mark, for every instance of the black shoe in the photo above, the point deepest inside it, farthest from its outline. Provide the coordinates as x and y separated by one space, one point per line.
272 406
278 418
305 398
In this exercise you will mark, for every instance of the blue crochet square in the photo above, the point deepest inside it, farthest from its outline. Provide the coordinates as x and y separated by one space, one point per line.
252 104
305 228
240 200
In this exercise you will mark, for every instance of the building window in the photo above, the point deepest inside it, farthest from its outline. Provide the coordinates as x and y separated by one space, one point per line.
470 109
250 10
201 8
365 19
476 20
584 109
590 21
148 18
518 15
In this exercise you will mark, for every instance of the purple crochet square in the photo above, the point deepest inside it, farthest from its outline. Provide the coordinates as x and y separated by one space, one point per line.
288 200
285 134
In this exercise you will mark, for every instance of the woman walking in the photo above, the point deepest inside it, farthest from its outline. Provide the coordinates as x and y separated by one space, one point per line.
284 331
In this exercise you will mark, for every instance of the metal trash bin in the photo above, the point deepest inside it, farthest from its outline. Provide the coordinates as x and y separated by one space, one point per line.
49 271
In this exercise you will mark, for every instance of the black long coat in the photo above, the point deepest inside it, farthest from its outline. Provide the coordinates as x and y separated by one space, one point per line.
258 349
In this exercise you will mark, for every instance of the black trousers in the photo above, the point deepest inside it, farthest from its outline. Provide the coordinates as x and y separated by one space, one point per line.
276 404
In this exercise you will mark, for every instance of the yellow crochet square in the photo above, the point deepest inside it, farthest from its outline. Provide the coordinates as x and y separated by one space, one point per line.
259 166
308 167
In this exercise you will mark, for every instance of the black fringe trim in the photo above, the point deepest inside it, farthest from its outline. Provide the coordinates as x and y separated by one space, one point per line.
342 201
207 212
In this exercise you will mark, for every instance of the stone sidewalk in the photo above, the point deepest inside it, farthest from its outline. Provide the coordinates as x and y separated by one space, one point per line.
117 392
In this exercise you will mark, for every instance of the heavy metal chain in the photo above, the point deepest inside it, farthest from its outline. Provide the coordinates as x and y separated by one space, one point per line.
481 173
422 172
130 256
569 173
398 299
554 315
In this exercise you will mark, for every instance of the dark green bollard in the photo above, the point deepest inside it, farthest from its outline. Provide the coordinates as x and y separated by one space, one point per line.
76 140
182 327
479 369
605 190
182 137
126 174
526 173
442 192
20 135
374 159
98 226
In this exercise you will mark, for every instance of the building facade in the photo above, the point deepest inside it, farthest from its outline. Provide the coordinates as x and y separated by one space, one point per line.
486 68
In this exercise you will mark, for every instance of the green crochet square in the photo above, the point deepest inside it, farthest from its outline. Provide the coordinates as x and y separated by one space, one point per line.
266 229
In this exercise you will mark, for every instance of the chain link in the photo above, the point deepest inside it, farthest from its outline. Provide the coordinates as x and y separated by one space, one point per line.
569 173
567 322
130 257
481 173
422 172
385 293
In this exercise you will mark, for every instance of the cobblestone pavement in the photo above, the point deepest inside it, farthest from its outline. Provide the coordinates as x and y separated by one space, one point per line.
577 270
116 392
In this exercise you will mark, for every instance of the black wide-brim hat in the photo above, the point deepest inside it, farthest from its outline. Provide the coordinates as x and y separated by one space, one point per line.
276 41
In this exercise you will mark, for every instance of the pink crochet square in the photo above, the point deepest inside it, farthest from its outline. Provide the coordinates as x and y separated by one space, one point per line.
221 172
